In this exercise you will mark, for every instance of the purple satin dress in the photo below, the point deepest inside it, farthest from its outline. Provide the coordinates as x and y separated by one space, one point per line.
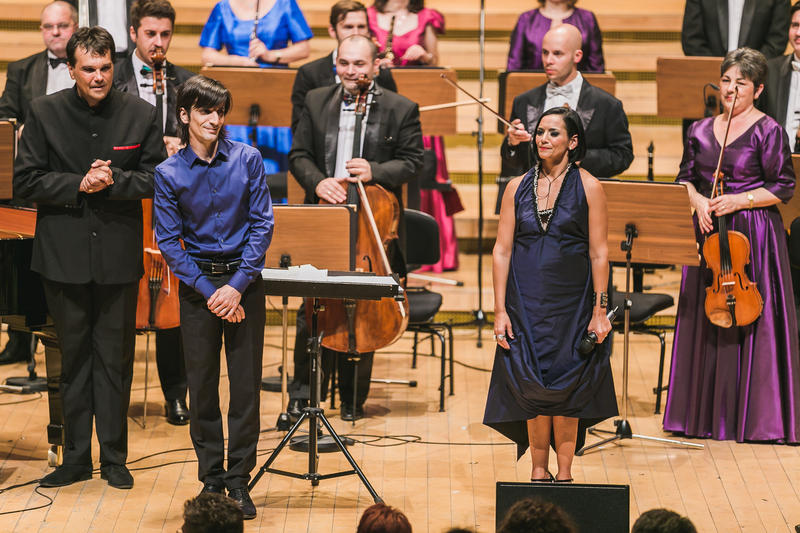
432 202
525 52
740 383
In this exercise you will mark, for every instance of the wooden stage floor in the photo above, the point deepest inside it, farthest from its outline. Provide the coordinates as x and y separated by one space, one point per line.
439 468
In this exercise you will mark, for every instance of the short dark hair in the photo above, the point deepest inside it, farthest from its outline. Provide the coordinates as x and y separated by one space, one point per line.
342 8
574 126
662 521
535 515
795 7
211 512
372 46
160 9
414 6
201 92
94 40
751 63
381 518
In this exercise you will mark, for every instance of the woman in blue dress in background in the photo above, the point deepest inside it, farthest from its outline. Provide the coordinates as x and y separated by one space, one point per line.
226 42
550 269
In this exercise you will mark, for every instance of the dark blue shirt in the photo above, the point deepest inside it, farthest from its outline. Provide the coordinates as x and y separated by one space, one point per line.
222 210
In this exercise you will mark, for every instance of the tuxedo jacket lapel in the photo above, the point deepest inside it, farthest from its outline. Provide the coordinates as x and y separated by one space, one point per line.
783 89
585 108
39 76
535 107
372 128
722 18
744 29
332 110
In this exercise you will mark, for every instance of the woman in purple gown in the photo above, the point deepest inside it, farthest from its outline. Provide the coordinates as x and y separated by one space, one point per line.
550 270
414 42
525 52
740 383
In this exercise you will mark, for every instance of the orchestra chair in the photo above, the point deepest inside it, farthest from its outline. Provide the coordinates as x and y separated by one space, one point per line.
643 306
422 248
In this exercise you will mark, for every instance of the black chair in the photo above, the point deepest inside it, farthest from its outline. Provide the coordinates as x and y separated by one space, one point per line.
643 306
422 248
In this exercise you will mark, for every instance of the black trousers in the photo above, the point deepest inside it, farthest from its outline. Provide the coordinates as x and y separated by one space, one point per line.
171 367
96 327
203 333
345 373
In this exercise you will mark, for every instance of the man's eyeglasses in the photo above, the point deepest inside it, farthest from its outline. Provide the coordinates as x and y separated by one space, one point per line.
62 26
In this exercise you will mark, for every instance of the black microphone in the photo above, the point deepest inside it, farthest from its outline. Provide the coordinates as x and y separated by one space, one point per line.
590 337
710 101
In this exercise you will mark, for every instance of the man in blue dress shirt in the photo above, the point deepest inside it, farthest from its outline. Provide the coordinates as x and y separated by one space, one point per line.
213 195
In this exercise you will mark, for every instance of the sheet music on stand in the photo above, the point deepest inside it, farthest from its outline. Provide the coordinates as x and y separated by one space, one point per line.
307 281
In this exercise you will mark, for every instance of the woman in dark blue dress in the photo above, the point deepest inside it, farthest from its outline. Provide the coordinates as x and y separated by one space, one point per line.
227 40
550 267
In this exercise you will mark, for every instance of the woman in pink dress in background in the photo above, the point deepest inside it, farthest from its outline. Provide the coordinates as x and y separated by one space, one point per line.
415 43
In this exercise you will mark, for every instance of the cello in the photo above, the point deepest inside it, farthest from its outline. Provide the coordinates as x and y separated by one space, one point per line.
732 299
157 305
362 326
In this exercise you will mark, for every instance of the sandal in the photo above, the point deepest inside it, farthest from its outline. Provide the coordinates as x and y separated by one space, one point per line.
569 480
548 479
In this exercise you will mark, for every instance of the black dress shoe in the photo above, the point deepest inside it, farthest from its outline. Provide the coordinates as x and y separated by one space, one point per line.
242 497
18 348
177 412
296 406
350 414
216 487
66 475
117 476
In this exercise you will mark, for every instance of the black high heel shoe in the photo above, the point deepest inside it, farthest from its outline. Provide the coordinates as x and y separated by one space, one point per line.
548 479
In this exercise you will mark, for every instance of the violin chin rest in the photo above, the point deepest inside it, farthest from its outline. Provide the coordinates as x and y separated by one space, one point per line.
721 318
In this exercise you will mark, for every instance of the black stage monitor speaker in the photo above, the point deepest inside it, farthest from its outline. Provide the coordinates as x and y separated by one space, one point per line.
593 508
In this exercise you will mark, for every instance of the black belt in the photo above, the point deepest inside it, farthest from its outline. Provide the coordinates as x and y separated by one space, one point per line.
218 267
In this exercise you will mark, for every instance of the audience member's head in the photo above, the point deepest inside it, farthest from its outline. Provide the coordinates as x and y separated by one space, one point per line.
535 515
380 518
663 521
211 512
348 17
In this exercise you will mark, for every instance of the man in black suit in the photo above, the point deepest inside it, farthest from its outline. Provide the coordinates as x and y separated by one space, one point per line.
152 23
715 27
782 91
348 17
43 73
609 148
87 157
321 160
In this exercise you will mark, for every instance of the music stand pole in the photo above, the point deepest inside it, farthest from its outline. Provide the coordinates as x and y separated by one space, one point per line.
624 430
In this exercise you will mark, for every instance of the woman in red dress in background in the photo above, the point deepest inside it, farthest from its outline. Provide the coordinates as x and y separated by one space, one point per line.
415 43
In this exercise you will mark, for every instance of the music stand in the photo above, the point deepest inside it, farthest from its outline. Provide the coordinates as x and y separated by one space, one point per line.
317 285
255 106
657 217
791 209
681 81
296 241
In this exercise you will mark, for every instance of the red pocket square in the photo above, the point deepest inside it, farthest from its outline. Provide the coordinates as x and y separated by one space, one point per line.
131 147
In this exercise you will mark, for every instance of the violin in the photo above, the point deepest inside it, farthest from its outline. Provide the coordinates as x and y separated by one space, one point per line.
732 299
362 326
157 305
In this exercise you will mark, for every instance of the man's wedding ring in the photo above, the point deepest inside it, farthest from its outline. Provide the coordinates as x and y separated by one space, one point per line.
500 338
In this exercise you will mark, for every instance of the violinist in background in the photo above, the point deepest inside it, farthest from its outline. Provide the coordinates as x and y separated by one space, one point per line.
152 23
743 382
391 156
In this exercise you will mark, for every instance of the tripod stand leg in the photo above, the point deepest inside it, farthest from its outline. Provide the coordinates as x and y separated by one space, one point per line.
340 444
597 444
277 450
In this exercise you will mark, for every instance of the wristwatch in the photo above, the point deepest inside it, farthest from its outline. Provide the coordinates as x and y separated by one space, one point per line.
750 199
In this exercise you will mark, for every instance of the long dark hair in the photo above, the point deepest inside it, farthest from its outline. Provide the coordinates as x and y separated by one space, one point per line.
414 6
574 126
201 92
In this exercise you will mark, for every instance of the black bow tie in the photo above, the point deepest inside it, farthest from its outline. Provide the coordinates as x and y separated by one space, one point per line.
146 71
349 99
56 61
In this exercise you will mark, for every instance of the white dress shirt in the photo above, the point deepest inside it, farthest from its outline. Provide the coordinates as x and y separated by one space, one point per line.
145 85
347 129
735 9
793 103
57 78
113 17
566 94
